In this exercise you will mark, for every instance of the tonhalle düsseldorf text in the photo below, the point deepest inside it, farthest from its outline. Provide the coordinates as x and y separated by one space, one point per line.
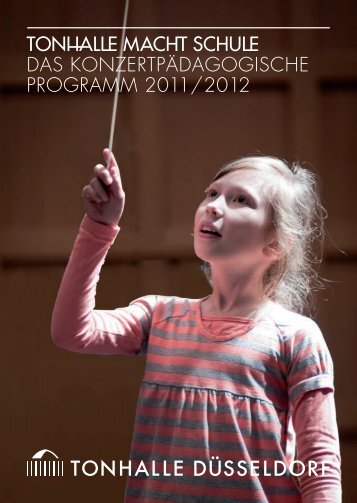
214 467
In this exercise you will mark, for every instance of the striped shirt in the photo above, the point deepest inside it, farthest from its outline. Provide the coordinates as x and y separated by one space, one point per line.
222 387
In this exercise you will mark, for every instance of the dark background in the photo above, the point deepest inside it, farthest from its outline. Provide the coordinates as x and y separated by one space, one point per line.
169 145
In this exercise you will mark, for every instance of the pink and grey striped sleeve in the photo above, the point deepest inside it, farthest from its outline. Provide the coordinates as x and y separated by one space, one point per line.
309 364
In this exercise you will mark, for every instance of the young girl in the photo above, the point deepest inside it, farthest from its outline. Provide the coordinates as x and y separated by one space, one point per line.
236 404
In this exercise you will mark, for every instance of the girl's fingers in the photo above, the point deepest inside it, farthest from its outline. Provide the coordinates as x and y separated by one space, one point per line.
96 184
89 193
110 159
103 174
116 187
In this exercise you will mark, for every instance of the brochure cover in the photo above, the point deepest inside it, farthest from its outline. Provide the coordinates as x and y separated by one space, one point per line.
177 252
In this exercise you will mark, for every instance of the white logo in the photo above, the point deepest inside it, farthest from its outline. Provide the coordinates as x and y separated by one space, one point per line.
44 468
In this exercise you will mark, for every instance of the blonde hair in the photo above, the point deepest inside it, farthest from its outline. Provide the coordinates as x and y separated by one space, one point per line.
298 219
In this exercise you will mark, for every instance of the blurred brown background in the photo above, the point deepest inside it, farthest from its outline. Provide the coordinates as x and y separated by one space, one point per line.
169 145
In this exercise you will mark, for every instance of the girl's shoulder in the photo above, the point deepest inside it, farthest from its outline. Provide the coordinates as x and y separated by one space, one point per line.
290 323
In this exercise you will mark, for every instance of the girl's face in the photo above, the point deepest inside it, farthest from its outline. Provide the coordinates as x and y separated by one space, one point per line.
234 222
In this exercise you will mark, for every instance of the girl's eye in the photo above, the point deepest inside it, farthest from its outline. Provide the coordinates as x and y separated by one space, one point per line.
241 199
211 193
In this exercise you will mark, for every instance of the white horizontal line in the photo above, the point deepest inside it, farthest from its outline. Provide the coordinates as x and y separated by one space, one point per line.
178 27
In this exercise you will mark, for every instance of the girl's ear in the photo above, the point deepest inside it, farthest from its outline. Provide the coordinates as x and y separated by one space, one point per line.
273 250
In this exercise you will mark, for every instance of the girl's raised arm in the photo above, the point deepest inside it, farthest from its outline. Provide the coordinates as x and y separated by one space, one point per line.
76 324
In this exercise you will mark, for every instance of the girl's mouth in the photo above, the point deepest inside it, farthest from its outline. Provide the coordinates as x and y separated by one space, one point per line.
209 230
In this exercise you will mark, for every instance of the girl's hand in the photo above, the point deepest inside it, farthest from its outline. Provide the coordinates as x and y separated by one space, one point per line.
104 197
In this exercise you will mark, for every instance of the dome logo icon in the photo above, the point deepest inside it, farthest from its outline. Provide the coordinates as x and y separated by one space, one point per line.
39 467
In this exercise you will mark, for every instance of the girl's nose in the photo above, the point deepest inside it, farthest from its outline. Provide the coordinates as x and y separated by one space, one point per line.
214 210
